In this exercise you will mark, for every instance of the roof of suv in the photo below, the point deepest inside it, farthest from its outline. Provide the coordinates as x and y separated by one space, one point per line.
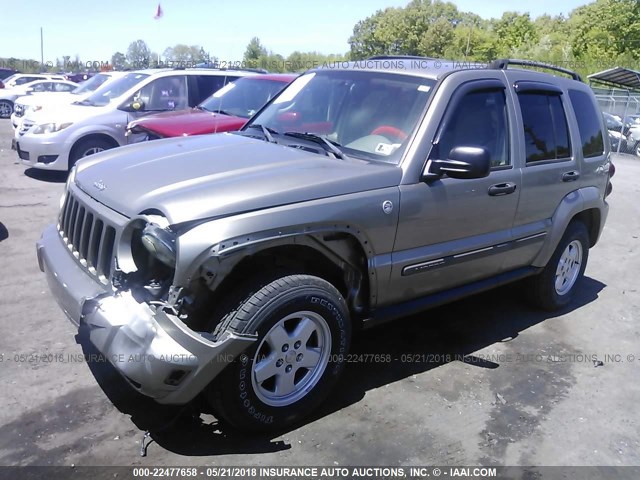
435 68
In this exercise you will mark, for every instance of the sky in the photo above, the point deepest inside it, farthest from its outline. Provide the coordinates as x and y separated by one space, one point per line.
95 30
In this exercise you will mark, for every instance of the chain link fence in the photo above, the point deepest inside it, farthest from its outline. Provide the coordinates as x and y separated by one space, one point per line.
621 111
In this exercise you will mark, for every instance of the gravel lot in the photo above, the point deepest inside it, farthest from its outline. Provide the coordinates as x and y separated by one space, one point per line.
522 387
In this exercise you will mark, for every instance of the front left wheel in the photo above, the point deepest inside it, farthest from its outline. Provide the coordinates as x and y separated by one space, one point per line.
303 334
87 147
6 108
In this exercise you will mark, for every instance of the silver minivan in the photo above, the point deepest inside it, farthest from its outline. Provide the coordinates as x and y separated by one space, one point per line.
55 138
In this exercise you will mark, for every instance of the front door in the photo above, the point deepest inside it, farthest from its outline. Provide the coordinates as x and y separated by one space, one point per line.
454 231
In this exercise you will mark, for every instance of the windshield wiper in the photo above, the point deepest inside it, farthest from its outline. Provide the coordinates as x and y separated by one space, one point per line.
266 131
323 141
86 101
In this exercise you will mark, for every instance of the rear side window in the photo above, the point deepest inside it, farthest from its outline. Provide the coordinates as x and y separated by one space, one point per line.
209 84
546 132
23 80
588 124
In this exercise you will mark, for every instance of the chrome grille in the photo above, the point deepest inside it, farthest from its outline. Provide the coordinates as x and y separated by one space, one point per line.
25 126
88 236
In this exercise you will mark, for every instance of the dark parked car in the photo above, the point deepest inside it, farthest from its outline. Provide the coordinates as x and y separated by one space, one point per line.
5 73
79 77
226 110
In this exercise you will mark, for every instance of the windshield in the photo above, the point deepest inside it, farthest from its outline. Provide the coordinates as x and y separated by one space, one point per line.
244 97
367 114
91 85
103 95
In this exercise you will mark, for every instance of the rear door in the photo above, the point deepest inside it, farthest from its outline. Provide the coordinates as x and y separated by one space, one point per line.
551 171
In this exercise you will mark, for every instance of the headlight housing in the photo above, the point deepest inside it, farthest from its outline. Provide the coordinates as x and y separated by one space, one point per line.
51 127
160 243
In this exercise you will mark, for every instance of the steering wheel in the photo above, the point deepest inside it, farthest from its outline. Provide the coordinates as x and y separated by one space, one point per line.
388 130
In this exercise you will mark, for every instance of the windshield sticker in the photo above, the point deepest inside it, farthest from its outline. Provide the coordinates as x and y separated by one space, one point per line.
424 88
386 148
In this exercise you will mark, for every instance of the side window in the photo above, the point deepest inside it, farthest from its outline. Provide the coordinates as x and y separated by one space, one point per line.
588 124
62 87
166 93
480 120
42 87
209 84
23 80
546 133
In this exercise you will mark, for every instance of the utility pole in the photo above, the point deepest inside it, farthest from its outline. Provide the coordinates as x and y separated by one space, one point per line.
41 51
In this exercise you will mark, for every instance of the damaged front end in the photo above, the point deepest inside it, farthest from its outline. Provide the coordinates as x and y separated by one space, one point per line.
159 355
112 276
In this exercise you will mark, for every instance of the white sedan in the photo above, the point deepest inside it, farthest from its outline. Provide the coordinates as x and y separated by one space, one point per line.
9 95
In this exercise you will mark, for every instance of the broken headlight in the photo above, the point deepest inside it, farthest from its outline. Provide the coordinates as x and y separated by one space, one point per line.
160 243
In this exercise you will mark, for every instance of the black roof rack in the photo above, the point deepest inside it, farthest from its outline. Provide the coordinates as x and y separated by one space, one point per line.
503 63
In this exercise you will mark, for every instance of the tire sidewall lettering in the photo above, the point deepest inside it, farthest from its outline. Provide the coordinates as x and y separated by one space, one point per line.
248 402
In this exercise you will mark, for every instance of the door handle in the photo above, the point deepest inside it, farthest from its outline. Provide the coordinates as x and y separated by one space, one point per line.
570 176
502 189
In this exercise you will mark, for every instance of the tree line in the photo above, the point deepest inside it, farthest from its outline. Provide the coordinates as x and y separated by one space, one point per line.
599 35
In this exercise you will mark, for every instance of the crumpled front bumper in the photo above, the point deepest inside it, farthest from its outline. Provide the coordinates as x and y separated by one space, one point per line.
156 352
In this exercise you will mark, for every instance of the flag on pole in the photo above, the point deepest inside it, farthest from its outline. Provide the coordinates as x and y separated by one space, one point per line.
158 12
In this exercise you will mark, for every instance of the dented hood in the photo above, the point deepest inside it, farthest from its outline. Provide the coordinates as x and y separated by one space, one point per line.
216 175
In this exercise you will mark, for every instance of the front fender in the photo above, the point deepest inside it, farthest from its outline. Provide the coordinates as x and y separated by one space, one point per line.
225 239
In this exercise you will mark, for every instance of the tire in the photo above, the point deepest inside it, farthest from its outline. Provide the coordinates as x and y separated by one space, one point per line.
303 335
85 148
636 149
6 109
554 287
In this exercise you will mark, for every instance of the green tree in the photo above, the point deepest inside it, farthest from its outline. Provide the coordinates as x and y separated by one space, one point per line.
423 27
514 33
138 54
119 61
606 31
254 50
437 38
188 54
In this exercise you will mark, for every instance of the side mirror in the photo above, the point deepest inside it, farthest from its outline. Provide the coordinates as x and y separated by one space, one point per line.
134 106
463 163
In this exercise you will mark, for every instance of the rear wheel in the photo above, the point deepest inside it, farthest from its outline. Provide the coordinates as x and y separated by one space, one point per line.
6 108
303 334
636 149
555 286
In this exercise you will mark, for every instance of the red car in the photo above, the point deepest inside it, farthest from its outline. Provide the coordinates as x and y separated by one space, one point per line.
226 110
